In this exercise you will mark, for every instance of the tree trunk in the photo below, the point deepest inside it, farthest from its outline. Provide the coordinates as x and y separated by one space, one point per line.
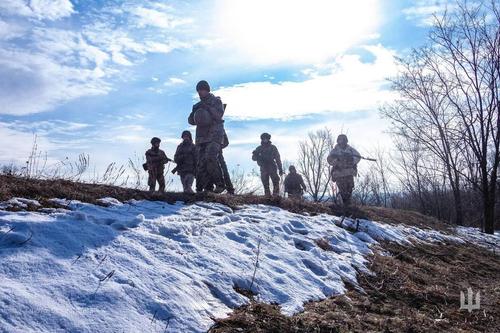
489 216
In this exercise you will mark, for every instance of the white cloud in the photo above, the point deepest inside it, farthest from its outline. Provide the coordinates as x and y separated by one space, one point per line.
9 30
299 31
33 83
17 145
39 9
48 127
157 18
350 85
174 81
54 65
423 11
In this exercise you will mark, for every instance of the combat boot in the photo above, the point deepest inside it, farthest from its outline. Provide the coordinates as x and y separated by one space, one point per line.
219 189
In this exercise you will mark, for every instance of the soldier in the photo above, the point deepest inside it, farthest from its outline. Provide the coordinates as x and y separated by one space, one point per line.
185 157
207 116
294 184
268 158
155 165
344 160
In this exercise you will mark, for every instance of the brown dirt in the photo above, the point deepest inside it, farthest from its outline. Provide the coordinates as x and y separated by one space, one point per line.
414 290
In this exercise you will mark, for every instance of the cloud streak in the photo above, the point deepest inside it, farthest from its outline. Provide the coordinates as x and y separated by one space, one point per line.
348 85
38 9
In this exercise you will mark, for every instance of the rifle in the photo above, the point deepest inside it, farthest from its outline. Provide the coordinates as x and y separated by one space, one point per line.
366 158
359 156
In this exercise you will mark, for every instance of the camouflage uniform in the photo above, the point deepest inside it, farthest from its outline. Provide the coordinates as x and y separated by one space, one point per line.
268 158
156 160
207 116
294 185
225 172
344 163
185 157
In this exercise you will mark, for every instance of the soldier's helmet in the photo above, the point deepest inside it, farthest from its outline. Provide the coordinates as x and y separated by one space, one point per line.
342 137
265 136
292 169
186 133
202 85
155 140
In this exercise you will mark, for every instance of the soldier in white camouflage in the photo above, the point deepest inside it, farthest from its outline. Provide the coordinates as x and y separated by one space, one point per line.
344 160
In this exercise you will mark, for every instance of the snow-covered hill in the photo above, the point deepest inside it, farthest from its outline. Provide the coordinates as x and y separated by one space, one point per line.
150 266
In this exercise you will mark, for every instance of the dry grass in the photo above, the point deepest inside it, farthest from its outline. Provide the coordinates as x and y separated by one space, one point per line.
414 290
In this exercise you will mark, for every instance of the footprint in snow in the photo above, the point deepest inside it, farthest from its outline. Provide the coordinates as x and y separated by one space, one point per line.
272 256
173 234
235 237
314 267
302 245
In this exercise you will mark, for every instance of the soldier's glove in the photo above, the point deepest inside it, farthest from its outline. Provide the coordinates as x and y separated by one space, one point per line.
281 173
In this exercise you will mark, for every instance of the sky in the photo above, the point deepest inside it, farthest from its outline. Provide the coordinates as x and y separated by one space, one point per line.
103 77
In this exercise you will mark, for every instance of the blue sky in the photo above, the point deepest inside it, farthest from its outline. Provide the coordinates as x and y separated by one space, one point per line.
103 77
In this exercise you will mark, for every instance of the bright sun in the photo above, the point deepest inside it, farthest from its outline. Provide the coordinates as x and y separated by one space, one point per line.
296 31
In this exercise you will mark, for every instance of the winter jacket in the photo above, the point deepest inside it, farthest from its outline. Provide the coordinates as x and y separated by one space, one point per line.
156 159
344 161
185 157
267 156
207 115
294 183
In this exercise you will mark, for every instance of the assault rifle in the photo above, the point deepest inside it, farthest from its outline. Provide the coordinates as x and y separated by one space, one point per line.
359 156
366 158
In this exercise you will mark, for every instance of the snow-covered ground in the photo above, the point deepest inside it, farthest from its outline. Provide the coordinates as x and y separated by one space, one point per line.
150 266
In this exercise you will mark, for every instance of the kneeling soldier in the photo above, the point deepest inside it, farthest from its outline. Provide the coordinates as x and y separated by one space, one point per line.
268 158
155 164
294 184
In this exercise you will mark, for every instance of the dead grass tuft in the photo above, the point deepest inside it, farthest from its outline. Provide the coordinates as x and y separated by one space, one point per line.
414 290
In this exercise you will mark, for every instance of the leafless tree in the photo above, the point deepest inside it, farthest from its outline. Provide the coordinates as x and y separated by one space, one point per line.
244 182
312 163
449 102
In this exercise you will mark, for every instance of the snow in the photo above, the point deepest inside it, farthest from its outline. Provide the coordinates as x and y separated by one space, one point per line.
474 235
19 203
143 265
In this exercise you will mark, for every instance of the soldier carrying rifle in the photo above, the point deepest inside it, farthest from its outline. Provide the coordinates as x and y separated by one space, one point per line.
344 160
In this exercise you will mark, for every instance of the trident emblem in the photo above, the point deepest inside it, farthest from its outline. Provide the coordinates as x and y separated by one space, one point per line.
469 304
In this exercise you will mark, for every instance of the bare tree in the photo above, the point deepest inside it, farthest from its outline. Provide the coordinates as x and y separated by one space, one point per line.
243 182
313 165
468 65
422 115
449 102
